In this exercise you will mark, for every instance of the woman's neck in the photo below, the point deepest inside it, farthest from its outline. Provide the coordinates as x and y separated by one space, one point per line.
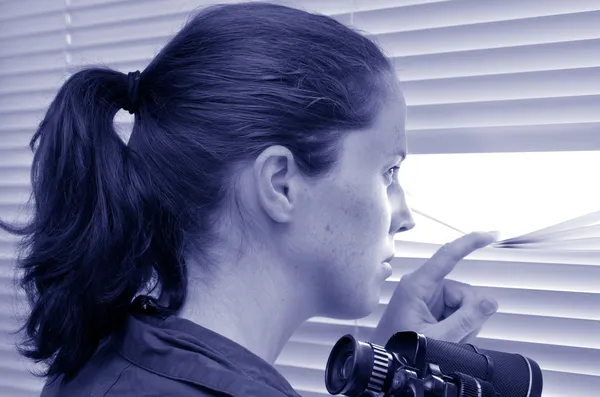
252 304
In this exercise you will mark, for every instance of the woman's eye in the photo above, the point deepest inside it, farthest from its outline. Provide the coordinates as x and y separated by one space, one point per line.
392 172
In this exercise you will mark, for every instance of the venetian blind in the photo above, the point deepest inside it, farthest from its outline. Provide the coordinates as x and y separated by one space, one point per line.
480 77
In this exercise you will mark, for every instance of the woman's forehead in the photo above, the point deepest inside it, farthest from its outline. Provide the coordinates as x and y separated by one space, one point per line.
389 128
384 142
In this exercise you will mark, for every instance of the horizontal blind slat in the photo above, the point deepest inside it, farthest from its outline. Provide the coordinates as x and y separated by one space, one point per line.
15 139
31 83
515 59
25 9
503 87
35 26
554 29
423 250
116 52
22 120
14 177
162 28
26 101
121 13
465 12
33 44
502 139
16 375
541 276
51 61
573 109
526 301
96 12
13 391
21 157
329 6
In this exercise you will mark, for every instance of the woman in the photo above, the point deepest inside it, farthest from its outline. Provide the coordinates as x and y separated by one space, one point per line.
258 189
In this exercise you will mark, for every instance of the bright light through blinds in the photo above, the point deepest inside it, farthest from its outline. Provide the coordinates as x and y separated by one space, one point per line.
512 193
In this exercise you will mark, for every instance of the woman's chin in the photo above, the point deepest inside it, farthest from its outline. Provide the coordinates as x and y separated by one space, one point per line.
363 308
388 270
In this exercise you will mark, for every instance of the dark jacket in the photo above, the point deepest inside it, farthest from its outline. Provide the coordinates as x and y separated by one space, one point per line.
171 357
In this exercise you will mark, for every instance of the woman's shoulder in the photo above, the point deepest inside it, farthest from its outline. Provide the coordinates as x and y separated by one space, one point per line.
151 357
108 374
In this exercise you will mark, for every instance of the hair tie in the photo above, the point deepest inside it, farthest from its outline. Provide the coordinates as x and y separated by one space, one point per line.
133 85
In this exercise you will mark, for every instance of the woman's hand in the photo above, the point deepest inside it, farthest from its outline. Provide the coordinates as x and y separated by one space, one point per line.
425 302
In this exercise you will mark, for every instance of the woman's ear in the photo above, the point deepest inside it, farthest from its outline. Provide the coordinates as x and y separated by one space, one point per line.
277 178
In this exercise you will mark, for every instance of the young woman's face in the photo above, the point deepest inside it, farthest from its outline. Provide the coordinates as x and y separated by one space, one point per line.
349 218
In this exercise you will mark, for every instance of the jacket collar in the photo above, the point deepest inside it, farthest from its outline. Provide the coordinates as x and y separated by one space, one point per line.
180 349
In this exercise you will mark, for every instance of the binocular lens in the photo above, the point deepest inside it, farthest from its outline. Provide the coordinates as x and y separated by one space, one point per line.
346 368
340 366
355 366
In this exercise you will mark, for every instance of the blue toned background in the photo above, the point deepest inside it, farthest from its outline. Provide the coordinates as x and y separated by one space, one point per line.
504 134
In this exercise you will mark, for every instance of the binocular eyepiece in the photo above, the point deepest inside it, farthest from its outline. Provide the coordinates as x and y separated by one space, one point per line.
411 365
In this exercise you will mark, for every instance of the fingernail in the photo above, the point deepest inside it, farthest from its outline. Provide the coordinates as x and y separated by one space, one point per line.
488 307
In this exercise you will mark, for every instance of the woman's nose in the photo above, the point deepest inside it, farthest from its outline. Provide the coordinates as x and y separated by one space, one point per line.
406 221
402 219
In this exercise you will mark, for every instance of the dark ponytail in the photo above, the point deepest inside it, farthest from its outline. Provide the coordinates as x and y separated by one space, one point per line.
90 242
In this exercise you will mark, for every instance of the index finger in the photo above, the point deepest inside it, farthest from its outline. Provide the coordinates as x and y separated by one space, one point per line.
446 258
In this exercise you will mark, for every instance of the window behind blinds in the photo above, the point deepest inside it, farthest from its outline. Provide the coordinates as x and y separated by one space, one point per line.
478 76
